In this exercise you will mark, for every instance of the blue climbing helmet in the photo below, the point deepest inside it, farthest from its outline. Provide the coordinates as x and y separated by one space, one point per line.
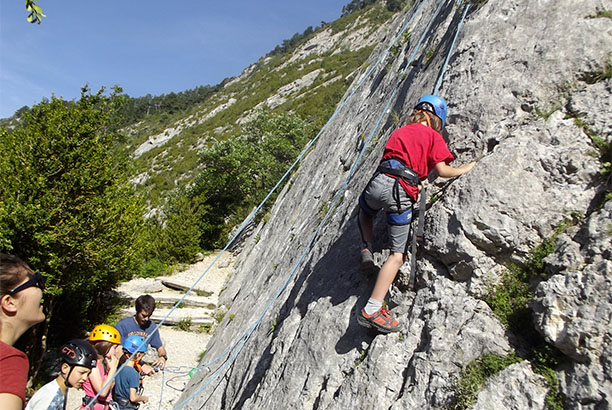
434 105
134 343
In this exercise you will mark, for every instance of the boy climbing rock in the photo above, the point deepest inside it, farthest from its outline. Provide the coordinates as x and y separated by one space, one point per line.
411 153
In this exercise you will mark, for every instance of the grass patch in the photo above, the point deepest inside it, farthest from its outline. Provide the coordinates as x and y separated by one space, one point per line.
474 377
546 112
184 324
153 268
204 293
509 301
361 358
219 317
205 328
601 74
601 13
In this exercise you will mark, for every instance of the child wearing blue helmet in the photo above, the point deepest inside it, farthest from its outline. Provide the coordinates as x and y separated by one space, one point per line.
128 388
411 153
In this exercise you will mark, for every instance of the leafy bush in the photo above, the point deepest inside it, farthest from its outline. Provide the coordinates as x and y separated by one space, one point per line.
153 268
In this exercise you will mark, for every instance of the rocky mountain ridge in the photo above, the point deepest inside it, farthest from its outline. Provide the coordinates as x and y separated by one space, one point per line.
525 99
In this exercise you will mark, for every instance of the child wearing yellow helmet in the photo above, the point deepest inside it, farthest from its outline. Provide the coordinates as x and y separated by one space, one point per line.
106 341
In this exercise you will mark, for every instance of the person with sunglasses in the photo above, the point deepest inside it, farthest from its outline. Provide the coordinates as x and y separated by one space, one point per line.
21 292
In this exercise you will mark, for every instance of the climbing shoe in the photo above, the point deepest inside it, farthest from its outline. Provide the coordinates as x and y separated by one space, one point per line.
381 320
367 263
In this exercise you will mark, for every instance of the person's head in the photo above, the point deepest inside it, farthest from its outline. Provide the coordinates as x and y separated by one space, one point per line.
134 344
430 110
105 340
20 295
145 306
77 359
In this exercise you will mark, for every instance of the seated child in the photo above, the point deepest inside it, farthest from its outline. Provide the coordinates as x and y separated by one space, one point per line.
77 359
127 382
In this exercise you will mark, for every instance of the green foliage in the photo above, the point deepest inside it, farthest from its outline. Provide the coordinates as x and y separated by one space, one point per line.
239 172
510 303
509 300
67 207
136 109
35 11
395 49
601 13
474 377
395 5
175 238
184 324
601 74
219 316
205 328
546 112
603 147
152 268
361 358
429 54
356 5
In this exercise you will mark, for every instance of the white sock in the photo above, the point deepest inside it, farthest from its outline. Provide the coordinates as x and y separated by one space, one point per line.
373 306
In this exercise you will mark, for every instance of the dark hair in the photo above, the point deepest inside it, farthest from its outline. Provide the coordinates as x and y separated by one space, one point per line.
12 272
421 116
146 303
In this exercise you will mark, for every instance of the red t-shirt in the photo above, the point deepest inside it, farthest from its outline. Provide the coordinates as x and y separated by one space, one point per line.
13 371
420 148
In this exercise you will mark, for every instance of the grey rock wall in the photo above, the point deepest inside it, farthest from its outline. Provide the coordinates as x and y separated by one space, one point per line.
516 80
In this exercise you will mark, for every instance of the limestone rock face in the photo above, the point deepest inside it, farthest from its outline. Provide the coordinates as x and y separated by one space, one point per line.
573 309
516 387
524 96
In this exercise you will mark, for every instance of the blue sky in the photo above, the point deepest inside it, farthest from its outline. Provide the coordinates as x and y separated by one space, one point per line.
145 47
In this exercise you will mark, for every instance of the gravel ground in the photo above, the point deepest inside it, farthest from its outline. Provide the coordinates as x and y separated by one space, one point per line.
184 347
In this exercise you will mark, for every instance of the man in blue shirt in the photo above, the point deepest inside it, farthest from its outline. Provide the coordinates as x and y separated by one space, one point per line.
141 325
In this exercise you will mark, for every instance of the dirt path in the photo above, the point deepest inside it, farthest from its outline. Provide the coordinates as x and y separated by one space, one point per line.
184 347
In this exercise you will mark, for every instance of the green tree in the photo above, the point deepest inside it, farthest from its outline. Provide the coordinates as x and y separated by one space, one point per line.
67 208
175 235
239 172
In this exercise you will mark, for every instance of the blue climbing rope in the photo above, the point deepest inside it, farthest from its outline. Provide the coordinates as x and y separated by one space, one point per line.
450 51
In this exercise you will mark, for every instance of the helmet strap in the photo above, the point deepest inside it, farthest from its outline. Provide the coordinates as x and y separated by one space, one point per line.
66 385
427 117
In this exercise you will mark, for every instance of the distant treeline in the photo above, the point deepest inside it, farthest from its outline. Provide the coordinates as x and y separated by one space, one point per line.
352 7
140 107
136 109
356 5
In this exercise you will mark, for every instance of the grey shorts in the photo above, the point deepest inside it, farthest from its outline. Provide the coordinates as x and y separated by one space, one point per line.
385 192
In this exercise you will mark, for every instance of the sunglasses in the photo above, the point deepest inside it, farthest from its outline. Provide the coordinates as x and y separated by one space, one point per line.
37 280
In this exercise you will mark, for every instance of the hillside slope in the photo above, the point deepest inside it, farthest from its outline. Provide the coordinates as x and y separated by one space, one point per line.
528 82
309 81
